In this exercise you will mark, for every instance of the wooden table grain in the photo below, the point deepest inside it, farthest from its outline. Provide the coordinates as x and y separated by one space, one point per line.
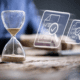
39 67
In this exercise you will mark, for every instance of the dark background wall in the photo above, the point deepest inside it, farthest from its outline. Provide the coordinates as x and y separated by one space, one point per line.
71 6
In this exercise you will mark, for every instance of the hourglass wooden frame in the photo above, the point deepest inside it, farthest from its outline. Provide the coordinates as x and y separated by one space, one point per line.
13 21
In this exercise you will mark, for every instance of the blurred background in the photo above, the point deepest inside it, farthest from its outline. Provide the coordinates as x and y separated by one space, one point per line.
71 6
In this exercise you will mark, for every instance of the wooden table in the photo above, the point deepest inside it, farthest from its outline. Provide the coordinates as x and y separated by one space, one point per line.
40 68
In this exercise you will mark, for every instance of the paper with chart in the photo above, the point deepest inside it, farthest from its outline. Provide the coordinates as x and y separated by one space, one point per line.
52 25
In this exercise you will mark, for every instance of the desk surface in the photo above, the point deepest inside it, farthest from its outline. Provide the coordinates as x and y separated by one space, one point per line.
39 68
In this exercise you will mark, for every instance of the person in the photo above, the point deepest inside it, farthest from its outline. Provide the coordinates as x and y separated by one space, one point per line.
31 19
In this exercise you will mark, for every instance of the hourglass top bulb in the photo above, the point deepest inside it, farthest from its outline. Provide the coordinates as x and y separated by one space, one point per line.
13 18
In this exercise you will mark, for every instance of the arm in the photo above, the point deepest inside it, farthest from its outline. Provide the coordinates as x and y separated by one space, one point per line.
34 18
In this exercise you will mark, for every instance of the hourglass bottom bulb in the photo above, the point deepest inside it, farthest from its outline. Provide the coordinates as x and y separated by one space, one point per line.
13 58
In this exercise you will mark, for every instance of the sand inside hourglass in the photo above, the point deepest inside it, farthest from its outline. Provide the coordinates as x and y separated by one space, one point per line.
13 58
13 31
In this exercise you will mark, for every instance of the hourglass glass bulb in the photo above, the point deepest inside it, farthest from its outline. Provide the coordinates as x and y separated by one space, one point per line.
13 52
13 21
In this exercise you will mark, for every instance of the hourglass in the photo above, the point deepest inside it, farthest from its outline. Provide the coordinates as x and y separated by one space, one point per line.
13 21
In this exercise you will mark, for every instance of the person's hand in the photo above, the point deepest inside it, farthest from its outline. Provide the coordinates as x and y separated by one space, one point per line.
28 41
65 45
